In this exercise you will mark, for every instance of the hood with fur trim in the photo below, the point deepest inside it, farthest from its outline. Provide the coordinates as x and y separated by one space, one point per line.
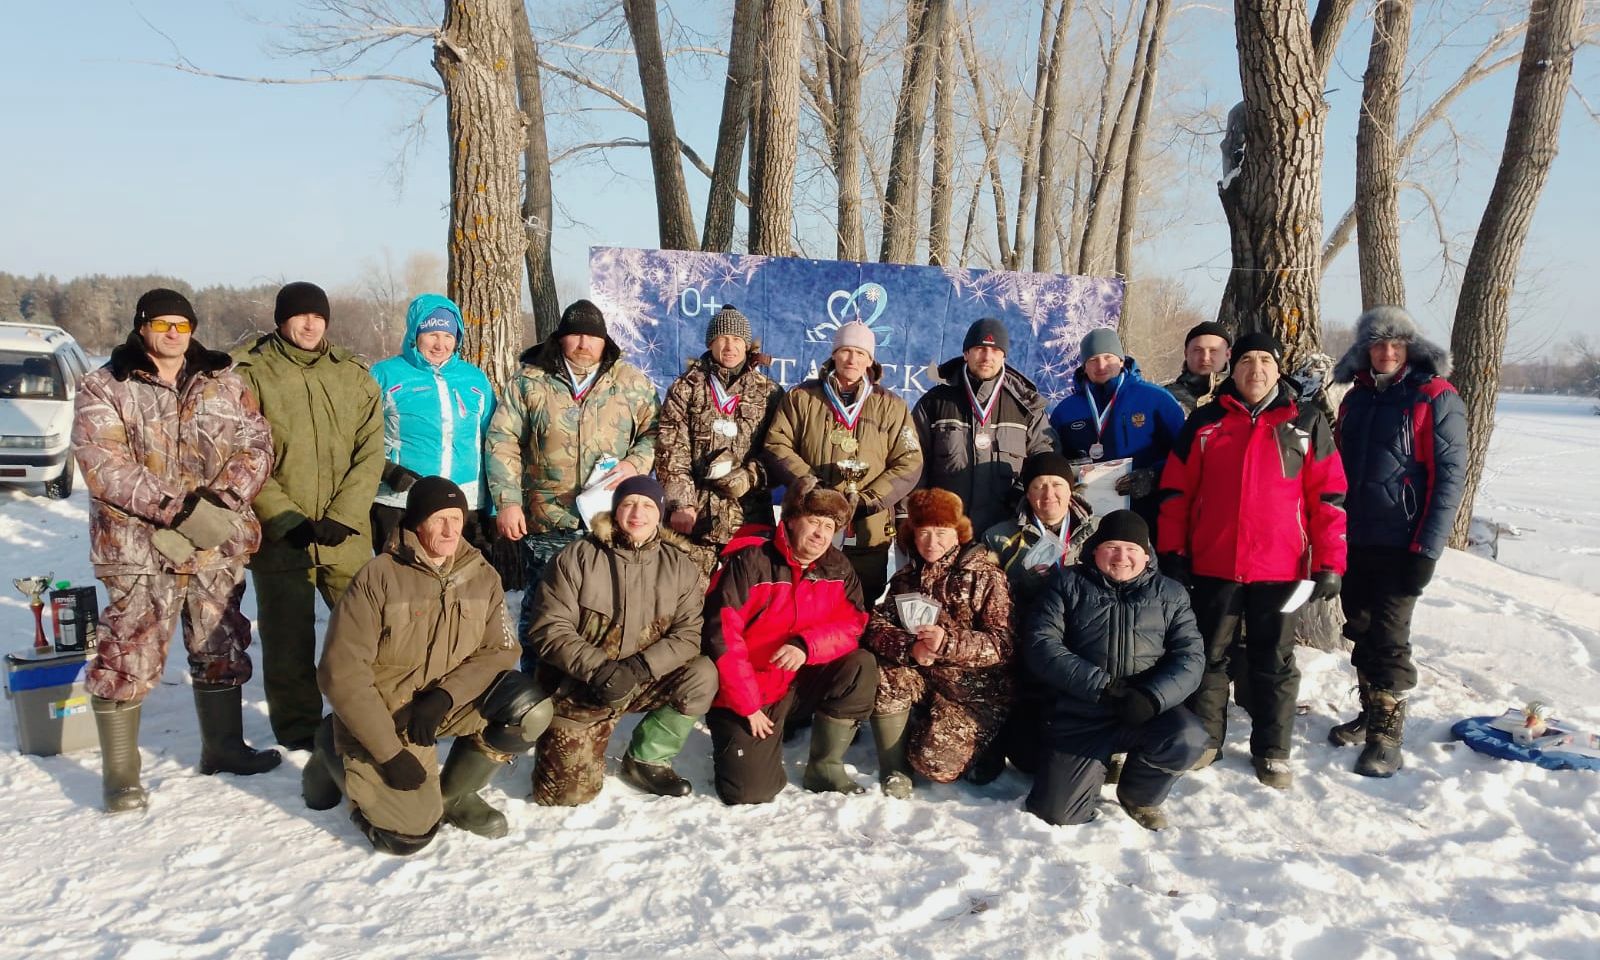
603 530
1391 323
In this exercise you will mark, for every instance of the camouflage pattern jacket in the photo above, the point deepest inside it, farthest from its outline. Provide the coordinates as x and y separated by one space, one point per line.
975 612
1010 541
1193 390
405 625
142 445
543 443
688 443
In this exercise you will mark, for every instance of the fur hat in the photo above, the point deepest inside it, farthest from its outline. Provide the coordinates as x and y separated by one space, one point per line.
1391 323
806 498
933 507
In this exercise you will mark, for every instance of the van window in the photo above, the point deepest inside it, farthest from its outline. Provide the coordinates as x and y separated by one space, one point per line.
31 376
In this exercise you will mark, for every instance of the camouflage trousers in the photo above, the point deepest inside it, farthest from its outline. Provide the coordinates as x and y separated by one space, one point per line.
571 762
410 812
945 733
538 549
137 625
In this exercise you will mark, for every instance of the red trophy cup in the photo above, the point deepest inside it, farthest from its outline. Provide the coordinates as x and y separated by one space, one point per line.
34 589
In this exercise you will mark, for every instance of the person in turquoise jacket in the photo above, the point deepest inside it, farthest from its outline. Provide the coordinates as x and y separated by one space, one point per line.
436 409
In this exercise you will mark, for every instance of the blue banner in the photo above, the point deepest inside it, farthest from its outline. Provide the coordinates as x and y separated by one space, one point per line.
657 304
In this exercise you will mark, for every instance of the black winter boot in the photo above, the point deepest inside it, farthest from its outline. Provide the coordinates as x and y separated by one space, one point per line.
1354 731
389 841
987 766
830 738
466 771
118 725
1385 732
889 733
322 780
222 747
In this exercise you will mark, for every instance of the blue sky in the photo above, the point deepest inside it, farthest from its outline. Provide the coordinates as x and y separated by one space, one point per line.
122 167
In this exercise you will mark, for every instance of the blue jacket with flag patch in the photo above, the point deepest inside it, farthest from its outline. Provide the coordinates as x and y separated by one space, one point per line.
1143 422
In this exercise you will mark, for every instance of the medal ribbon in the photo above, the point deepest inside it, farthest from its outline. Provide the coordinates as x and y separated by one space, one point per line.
1100 416
725 402
1064 534
983 413
581 390
847 415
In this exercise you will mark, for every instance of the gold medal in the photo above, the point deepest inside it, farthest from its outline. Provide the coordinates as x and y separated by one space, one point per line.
846 441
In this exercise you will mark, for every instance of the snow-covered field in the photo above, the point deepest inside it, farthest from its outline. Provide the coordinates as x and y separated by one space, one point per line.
1458 856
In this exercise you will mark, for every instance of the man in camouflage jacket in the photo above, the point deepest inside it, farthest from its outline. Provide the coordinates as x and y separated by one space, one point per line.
172 449
713 424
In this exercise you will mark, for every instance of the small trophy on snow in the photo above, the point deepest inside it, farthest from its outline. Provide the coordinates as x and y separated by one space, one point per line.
33 588
853 471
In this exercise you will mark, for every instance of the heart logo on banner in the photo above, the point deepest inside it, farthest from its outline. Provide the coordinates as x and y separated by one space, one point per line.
842 304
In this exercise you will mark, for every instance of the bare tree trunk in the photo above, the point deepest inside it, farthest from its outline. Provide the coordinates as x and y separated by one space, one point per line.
911 113
1114 162
1027 180
1131 181
1378 157
538 210
474 57
1047 213
673 213
842 25
721 201
772 209
941 194
1482 313
991 146
1327 25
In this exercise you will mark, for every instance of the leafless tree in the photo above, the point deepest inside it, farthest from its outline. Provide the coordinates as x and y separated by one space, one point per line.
911 114
720 202
538 207
773 162
673 214
1378 158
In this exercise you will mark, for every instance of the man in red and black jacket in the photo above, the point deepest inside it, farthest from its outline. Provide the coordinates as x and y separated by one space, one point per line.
1255 503
783 623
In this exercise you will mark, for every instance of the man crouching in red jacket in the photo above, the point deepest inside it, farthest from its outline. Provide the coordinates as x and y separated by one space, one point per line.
783 620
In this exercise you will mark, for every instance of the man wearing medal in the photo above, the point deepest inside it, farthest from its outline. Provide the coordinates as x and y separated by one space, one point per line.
854 436
1114 413
979 424
713 423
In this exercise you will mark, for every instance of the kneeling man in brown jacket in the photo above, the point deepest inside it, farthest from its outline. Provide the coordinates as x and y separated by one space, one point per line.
420 647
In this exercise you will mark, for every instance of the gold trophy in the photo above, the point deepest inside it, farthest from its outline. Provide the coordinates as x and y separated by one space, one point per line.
853 471
34 588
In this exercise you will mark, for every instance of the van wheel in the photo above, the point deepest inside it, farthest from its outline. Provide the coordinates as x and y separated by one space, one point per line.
61 487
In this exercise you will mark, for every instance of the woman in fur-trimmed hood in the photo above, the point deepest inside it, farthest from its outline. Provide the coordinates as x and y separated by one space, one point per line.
944 687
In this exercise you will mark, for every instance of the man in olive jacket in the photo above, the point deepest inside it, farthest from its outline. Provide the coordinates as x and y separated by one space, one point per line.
420 647
327 444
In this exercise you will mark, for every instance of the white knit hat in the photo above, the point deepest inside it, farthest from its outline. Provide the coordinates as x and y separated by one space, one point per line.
859 335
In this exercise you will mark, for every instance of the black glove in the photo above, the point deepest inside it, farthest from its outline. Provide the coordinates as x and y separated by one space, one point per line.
419 720
1326 585
1176 566
1413 574
399 478
616 682
403 771
330 532
300 535
1137 484
867 506
1135 707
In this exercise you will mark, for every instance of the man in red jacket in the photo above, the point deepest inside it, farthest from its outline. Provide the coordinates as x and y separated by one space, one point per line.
783 621
1255 503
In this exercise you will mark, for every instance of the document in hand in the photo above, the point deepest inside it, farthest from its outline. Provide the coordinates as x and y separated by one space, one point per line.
1097 482
916 610
595 498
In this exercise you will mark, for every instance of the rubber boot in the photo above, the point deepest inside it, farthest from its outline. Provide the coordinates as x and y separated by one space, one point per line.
466 771
1114 768
830 738
1385 732
1354 731
389 841
322 780
118 725
889 732
222 747
647 765
1151 818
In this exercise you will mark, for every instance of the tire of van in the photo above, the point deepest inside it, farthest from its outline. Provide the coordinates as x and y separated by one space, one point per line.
61 487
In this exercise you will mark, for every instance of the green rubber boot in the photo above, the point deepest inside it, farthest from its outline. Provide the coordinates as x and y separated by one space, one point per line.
825 772
118 725
466 771
322 780
889 732
658 738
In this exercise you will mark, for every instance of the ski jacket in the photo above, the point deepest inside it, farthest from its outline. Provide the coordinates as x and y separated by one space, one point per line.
1010 541
760 600
1255 498
434 418
1142 423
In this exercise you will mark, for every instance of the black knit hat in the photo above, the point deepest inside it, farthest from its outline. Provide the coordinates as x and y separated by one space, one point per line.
1210 328
1123 525
162 302
640 486
582 318
427 497
1047 464
731 323
1257 340
988 332
300 297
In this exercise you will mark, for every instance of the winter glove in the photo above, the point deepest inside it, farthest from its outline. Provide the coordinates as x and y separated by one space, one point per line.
300 535
1325 585
1137 484
206 524
616 682
735 485
399 478
1135 707
419 720
1414 573
330 532
1176 566
403 771
867 506
172 545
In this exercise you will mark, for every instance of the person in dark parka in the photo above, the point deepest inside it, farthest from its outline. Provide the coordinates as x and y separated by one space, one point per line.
1116 644
1402 434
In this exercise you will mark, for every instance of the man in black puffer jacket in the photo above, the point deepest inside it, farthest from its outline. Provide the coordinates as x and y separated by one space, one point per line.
1116 644
1402 434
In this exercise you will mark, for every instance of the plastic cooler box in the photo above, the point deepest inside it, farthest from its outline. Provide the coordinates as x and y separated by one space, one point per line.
49 702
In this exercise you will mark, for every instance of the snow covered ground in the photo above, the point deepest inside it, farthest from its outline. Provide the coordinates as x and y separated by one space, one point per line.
1458 856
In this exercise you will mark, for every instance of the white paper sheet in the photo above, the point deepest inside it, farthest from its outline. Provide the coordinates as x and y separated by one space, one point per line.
916 610
595 498
1097 483
1297 599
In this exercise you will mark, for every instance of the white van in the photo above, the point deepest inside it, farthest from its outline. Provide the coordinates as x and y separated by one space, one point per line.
40 368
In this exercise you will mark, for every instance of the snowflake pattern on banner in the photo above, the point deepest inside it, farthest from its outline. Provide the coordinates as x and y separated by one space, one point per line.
657 304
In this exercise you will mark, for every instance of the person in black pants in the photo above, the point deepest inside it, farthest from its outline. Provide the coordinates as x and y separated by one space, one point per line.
1115 643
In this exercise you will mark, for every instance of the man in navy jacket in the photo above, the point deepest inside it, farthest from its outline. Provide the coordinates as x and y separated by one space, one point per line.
1402 434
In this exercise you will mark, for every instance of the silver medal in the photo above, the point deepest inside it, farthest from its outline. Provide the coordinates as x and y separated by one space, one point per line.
1097 451
724 428
982 441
